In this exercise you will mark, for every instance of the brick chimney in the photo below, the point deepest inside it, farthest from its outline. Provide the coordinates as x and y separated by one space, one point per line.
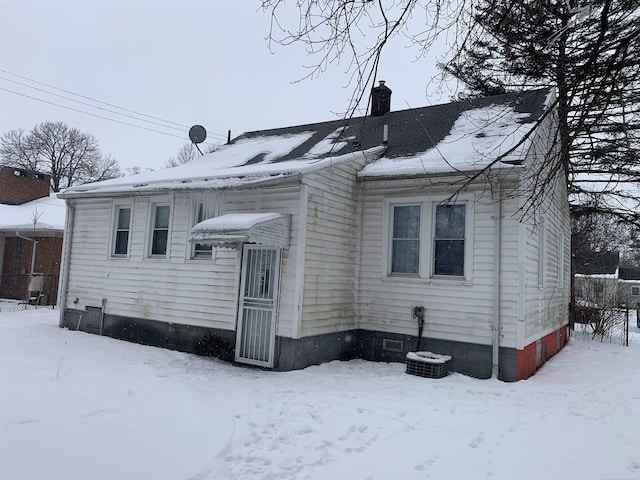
380 100
18 186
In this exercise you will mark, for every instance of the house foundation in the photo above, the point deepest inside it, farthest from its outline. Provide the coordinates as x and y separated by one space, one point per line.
534 355
294 354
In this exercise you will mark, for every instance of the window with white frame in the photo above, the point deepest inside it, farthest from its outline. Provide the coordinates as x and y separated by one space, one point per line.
405 241
448 241
160 229
635 291
428 240
200 250
122 231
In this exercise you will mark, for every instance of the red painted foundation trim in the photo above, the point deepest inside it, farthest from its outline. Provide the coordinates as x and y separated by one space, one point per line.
527 359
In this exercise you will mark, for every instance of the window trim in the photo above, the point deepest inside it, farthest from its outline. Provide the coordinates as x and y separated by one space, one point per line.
427 232
542 254
434 219
561 267
115 217
637 290
201 213
151 228
392 208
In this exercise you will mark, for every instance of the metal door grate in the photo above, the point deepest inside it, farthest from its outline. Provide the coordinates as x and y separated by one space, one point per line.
257 312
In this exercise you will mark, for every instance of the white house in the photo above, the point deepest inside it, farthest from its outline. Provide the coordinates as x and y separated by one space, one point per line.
596 280
300 245
600 281
629 287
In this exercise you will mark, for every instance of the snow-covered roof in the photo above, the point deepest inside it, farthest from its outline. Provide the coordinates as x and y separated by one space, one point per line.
630 273
48 213
598 263
458 136
478 137
232 229
599 276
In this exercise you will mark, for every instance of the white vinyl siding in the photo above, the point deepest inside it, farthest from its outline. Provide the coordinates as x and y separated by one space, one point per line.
546 294
456 308
542 247
332 250
180 290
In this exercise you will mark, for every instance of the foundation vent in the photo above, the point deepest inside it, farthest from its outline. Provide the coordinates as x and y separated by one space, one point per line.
392 345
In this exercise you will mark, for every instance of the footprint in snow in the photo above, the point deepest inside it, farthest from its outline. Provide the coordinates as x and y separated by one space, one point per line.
427 463
477 441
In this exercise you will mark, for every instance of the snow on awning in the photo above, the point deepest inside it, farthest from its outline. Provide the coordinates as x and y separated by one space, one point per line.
233 229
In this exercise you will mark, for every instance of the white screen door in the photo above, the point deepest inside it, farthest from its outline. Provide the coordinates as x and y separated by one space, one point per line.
258 301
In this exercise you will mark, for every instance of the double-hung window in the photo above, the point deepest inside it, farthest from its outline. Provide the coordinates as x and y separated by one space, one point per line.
635 291
160 230
448 241
428 239
122 231
200 250
405 242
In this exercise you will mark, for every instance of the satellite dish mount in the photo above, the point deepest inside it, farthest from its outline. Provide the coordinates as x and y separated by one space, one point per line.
197 134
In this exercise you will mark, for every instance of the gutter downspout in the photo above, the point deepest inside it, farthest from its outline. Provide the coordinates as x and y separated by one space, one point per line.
33 252
495 327
66 256
300 261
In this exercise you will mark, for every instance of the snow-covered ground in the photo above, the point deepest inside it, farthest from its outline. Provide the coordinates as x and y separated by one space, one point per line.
80 406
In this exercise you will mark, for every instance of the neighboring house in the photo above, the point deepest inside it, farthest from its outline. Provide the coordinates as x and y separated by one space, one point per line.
629 287
596 279
601 282
301 245
31 231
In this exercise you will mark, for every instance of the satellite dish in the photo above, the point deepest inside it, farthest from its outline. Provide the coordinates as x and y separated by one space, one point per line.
197 134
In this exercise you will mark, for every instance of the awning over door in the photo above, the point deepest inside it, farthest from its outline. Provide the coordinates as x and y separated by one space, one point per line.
234 229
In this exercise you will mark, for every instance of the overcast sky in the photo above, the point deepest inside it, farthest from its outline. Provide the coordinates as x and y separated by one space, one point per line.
187 62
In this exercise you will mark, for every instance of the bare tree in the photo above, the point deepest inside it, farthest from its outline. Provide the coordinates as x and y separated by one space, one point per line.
588 50
356 33
68 155
135 170
187 153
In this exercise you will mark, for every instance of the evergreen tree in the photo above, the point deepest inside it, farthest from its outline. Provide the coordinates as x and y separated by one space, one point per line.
590 52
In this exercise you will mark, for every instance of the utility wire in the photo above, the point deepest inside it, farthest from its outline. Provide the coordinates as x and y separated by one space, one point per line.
181 129
91 114
89 98
95 106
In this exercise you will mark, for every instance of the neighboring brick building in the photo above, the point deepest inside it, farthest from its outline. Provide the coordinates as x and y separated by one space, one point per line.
18 186
30 217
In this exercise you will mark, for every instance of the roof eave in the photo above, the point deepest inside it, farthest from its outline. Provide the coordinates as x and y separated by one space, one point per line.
285 179
507 172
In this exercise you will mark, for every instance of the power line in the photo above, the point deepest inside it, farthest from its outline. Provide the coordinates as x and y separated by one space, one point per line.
91 114
89 98
95 106
91 105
